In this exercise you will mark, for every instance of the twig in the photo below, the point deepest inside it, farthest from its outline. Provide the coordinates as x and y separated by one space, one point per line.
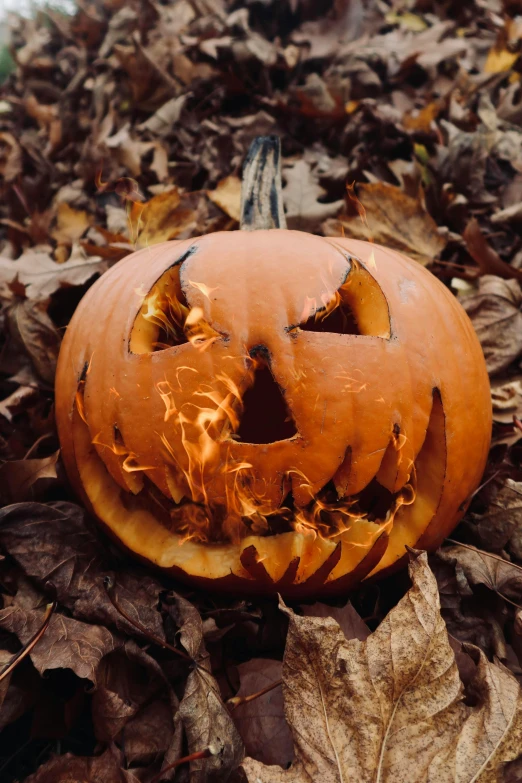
495 474
200 754
26 649
235 701
108 583
261 187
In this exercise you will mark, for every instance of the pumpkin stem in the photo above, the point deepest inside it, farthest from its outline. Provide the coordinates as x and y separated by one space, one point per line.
261 190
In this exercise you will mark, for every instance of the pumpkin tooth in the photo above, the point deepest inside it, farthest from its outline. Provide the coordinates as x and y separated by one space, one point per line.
174 485
251 561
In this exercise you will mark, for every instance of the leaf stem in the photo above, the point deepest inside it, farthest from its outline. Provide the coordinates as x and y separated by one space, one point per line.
200 754
26 649
235 701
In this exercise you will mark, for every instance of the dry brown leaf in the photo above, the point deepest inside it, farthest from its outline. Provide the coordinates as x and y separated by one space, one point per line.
18 477
485 256
71 224
391 709
10 157
134 695
481 568
33 332
162 218
500 527
494 311
89 769
301 196
55 542
393 219
66 644
227 195
205 718
128 150
350 623
261 722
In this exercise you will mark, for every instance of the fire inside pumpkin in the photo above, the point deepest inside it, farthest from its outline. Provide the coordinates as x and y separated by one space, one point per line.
271 410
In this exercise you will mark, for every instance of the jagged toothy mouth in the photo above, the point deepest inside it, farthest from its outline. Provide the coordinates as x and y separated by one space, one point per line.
328 513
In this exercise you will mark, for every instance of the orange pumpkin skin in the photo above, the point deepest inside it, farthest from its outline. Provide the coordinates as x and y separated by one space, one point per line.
404 403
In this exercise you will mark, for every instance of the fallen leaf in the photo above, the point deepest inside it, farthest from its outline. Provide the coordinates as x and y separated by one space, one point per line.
506 51
162 121
56 542
66 644
483 568
107 768
134 696
499 60
486 257
227 195
128 150
10 157
162 218
71 224
41 276
18 477
389 217
301 196
350 623
500 526
261 722
404 680
35 334
205 718
494 311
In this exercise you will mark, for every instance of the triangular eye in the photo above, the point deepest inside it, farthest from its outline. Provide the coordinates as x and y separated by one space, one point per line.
357 307
165 318
266 417
160 322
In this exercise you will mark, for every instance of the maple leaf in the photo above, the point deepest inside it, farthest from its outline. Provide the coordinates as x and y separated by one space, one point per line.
392 708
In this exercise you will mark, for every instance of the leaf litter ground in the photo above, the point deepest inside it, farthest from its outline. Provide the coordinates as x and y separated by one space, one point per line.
125 125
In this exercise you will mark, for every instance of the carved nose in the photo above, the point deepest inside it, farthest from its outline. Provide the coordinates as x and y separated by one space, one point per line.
266 417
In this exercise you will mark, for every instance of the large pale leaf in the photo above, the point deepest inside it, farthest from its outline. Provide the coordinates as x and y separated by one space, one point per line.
391 709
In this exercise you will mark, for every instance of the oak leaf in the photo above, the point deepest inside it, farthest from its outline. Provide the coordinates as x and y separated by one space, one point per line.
392 708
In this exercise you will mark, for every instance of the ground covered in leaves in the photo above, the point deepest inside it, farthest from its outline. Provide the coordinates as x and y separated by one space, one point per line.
126 125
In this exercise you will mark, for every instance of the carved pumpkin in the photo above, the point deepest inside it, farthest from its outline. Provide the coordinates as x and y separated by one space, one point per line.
271 410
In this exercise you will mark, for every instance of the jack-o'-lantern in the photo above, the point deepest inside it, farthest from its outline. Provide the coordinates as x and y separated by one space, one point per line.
271 410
